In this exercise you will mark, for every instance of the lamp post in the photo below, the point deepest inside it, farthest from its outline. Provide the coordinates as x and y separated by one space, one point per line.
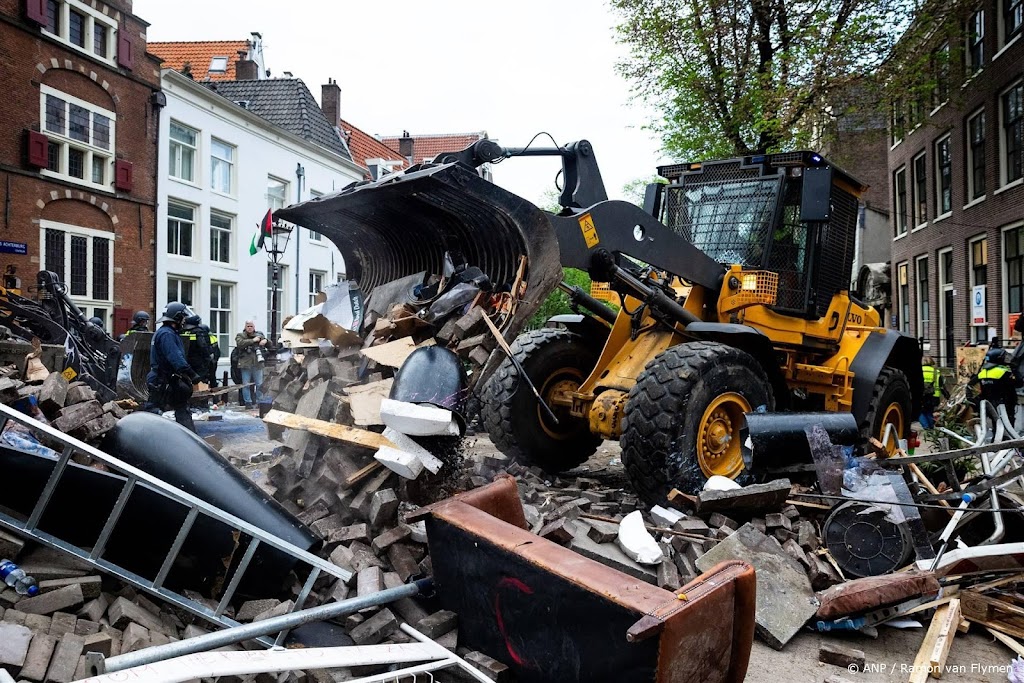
279 236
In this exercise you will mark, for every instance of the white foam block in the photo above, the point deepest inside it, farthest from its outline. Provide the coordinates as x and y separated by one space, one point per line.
634 540
665 516
402 463
415 419
406 444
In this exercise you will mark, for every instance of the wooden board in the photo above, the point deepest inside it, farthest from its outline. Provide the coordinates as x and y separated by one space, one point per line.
332 430
1006 640
993 613
364 401
392 354
931 657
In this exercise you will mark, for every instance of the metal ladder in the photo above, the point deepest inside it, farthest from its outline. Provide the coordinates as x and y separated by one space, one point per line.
195 507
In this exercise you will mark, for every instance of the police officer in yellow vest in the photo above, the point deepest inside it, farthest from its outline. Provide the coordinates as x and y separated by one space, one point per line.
998 383
932 392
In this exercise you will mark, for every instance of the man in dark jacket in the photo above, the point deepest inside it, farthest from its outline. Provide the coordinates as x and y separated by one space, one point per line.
170 378
215 354
197 350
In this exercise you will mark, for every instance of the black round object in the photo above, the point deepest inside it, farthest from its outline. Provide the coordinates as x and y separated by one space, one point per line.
891 401
434 375
556 361
671 412
863 542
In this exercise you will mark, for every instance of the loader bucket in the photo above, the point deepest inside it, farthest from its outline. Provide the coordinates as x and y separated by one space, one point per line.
403 224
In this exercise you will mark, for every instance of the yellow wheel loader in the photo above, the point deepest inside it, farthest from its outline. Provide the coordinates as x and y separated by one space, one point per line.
733 281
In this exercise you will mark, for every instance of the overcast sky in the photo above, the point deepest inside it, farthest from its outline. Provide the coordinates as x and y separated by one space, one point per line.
512 68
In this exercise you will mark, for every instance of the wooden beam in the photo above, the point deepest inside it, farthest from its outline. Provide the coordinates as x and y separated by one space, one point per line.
332 430
947 630
1006 640
362 473
932 655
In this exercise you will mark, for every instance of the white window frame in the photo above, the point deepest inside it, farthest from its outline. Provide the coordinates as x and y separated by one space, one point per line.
315 236
1005 312
314 289
915 200
219 232
900 208
90 233
945 285
219 69
176 296
174 157
282 292
971 39
1003 168
216 161
922 321
92 17
903 277
1001 20
969 158
67 143
937 160
271 199
979 333
225 336
194 232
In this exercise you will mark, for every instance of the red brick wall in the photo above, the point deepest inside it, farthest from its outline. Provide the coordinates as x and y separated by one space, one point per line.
26 60
985 218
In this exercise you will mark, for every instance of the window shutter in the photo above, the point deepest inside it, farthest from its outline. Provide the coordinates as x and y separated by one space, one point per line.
124 50
35 11
123 175
38 146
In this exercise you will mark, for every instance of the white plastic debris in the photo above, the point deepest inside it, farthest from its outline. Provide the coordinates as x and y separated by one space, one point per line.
717 482
406 444
402 463
634 540
415 419
1016 673
665 516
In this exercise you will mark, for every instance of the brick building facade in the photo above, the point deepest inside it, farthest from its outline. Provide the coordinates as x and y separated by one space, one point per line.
78 151
956 188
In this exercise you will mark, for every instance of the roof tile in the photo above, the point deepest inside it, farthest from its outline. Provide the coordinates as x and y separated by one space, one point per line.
198 55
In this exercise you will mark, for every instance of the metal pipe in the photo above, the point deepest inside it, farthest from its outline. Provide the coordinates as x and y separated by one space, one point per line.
238 634
580 298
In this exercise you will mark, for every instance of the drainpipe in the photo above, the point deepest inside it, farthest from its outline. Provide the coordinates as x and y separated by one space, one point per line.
300 175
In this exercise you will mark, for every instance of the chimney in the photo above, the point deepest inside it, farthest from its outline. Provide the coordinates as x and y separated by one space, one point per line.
330 102
405 146
246 70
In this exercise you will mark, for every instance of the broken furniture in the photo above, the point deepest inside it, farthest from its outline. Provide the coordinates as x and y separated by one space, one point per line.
551 614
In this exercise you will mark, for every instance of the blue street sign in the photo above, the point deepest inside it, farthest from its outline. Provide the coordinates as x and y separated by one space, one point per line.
13 248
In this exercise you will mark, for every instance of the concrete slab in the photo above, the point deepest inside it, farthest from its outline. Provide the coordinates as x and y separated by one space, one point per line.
609 555
785 599
758 498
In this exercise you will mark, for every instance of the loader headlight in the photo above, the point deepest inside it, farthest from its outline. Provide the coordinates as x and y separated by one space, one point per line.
750 282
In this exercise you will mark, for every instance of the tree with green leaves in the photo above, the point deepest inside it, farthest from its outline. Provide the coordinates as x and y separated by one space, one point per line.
733 77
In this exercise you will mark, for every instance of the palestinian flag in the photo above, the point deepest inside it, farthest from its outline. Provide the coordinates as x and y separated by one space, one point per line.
266 228
252 245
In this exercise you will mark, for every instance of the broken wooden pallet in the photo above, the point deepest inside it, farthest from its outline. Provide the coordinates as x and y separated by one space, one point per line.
999 614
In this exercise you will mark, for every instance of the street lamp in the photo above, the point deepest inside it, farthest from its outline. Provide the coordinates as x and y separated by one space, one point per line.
280 233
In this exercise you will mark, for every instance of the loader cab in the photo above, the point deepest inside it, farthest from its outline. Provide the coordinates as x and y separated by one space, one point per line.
794 214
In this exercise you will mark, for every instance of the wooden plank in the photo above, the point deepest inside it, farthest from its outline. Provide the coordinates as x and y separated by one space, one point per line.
924 481
332 430
392 354
362 473
806 504
923 668
1006 640
947 630
996 583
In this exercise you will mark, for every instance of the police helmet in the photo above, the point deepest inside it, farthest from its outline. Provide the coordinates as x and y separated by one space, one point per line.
996 356
205 329
176 312
140 317
193 321
96 321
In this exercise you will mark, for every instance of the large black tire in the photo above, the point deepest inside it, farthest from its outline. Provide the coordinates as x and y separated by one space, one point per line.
891 401
514 419
677 408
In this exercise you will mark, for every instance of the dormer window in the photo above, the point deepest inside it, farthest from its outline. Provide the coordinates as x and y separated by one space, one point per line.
218 65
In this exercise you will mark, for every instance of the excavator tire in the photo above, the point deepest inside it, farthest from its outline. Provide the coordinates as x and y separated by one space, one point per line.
891 401
556 360
684 415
